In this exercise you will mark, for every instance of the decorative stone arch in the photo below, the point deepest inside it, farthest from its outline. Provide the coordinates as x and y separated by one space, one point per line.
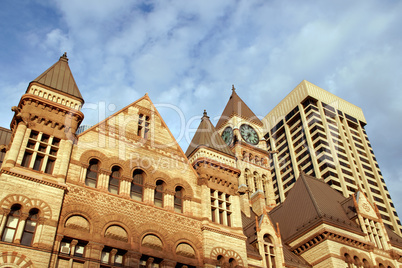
385 263
14 259
231 254
217 251
345 252
117 232
184 249
115 161
27 204
159 175
83 211
187 189
154 229
44 209
12 199
185 237
77 222
115 219
93 154
147 173
227 254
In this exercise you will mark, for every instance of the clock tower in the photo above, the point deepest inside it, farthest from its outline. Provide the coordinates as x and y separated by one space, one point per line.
243 132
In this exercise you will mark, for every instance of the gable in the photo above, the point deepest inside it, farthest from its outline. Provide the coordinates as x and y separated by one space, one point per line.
124 125
364 206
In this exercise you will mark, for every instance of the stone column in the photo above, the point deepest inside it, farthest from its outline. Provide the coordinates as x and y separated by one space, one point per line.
187 209
38 232
132 259
168 264
149 190
20 228
168 199
83 173
125 185
15 146
112 255
3 218
64 157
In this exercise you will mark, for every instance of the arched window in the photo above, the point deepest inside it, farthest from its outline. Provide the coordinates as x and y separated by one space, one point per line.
232 262
366 264
269 251
114 180
137 185
220 260
348 260
158 195
30 227
178 199
92 173
11 224
255 181
357 262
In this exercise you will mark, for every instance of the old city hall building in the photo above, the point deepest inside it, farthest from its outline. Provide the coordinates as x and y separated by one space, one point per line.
298 188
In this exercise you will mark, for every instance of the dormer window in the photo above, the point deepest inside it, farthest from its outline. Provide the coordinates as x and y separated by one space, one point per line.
143 126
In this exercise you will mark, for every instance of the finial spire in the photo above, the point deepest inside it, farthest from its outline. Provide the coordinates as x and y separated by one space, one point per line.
205 114
233 88
64 56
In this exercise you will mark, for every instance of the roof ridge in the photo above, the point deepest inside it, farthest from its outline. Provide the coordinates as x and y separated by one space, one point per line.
60 78
310 193
236 106
207 135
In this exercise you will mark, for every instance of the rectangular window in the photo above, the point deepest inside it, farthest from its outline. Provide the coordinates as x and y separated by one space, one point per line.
220 208
41 152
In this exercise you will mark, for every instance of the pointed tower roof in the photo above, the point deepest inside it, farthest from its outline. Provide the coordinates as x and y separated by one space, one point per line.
309 202
60 78
236 106
207 135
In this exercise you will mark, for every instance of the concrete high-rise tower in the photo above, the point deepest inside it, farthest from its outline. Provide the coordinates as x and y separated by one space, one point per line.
323 135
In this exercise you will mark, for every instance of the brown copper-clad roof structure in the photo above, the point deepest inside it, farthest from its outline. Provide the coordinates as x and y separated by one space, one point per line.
207 135
60 78
395 239
292 260
310 202
236 106
5 137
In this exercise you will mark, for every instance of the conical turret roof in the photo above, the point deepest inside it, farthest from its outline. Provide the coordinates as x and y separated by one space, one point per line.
207 135
236 106
60 78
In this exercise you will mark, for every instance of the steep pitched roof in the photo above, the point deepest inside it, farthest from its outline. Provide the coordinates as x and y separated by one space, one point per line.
309 202
60 78
207 135
395 239
292 260
236 106
5 137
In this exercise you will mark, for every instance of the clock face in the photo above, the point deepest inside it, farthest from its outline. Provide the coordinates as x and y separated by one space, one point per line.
227 135
249 134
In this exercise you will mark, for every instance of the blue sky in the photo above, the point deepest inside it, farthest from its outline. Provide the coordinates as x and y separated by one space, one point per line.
187 54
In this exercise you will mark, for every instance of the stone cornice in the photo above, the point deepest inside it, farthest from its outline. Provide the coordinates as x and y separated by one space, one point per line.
37 180
219 231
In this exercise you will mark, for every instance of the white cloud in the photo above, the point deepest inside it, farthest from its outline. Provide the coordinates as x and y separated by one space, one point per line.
189 53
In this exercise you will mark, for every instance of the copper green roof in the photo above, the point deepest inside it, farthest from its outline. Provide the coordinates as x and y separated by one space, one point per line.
207 136
60 78
236 106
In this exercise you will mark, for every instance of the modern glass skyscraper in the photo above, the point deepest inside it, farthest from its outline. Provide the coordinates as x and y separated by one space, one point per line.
322 135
